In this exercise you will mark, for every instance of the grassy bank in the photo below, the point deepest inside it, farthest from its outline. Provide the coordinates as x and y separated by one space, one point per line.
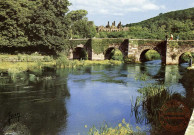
20 63
17 67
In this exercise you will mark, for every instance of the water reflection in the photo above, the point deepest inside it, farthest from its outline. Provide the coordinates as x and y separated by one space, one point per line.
39 101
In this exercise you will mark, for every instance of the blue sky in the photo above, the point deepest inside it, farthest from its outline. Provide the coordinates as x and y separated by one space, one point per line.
127 11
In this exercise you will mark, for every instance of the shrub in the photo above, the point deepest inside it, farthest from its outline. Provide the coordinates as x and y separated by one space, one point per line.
117 55
129 59
186 57
152 55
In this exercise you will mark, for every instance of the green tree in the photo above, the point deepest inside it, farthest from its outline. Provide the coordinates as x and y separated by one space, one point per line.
49 26
80 26
77 15
14 16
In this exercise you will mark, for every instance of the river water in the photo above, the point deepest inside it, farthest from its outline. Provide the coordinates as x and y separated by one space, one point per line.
71 101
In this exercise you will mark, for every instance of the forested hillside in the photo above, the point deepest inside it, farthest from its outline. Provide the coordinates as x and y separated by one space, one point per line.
176 22
179 23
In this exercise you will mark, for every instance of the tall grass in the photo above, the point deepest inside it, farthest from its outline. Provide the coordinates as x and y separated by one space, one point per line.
149 103
25 58
15 64
122 129
63 62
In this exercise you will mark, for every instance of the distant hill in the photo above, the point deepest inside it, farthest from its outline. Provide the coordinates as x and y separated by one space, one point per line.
179 23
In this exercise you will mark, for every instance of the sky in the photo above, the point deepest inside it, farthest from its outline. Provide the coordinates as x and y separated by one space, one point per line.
127 11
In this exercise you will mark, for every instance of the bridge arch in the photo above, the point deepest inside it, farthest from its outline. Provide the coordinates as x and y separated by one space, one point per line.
108 53
142 53
79 52
182 53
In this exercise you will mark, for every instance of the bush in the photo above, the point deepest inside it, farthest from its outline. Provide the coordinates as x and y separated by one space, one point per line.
152 55
186 57
129 59
117 55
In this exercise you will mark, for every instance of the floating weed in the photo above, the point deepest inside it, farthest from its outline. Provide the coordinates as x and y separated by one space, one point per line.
142 77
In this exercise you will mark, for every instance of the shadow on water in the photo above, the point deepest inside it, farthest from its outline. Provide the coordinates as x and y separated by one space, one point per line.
35 100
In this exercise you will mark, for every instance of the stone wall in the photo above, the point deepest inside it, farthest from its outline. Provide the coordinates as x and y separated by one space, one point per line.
97 56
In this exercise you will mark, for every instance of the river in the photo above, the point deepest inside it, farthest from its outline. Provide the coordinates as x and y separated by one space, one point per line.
71 101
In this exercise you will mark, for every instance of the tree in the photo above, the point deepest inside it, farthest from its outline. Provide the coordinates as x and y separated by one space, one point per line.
77 15
49 26
80 26
14 16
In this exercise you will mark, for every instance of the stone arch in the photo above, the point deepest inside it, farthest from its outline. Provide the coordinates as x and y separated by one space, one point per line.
79 53
183 52
143 52
107 53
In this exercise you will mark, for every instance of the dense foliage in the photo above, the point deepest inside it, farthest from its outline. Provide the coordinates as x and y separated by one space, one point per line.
179 23
186 57
47 23
117 54
100 45
152 55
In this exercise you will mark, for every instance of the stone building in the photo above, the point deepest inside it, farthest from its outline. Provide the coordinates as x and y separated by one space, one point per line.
112 28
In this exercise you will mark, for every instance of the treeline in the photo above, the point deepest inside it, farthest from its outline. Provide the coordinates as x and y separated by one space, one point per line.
41 24
179 23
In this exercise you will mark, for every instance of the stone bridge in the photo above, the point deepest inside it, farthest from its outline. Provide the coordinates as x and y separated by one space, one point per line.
99 49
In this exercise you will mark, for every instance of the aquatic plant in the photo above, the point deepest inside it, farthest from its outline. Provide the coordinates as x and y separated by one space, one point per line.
122 129
142 77
149 103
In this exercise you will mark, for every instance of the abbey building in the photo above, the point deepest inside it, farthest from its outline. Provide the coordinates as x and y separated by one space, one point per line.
112 28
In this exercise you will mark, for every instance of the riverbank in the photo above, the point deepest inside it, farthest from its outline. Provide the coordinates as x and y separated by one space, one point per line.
191 68
18 66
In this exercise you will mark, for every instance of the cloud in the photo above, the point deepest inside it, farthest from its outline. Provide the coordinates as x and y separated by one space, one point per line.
114 7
